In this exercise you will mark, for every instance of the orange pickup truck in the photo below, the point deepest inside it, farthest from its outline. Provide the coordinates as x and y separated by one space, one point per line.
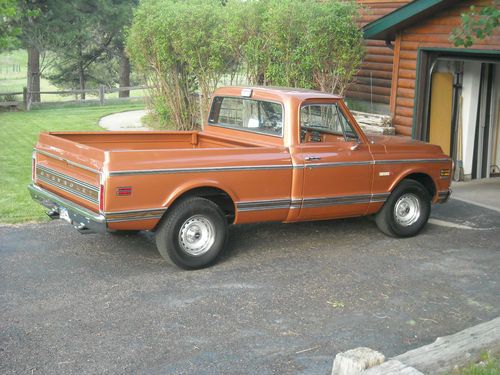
265 154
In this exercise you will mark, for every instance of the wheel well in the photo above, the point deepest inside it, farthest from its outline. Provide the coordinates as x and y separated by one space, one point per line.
218 196
425 180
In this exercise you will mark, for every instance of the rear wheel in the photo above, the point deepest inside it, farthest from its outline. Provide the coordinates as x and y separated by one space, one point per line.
194 233
406 211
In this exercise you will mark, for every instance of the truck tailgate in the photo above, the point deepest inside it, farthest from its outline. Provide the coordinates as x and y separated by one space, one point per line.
69 169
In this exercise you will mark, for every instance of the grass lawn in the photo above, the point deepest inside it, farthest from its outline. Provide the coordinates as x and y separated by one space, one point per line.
488 365
18 135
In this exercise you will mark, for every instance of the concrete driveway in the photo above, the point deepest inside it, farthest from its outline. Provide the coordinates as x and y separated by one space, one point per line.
284 300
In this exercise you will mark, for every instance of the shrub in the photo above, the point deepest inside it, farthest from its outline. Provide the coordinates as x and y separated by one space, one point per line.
187 47
181 47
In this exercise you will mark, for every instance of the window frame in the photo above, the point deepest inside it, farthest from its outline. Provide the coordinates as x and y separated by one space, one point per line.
227 126
342 125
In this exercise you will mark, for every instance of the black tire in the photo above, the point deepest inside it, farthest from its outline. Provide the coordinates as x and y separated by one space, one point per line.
193 235
406 211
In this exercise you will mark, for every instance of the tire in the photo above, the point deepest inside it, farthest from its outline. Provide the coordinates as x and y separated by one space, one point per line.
193 235
406 211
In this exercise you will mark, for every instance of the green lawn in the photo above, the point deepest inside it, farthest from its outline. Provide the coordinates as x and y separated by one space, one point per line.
487 365
18 134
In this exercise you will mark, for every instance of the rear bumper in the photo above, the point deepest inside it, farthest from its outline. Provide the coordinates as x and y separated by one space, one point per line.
84 220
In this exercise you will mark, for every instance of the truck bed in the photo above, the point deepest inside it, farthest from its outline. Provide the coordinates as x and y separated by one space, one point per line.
74 165
155 140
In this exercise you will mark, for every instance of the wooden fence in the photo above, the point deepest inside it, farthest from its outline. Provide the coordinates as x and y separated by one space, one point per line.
97 95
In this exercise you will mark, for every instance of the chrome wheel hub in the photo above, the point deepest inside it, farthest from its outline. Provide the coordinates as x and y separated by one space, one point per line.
197 235
407 209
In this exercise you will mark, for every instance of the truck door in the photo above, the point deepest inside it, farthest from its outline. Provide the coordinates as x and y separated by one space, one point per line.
338 166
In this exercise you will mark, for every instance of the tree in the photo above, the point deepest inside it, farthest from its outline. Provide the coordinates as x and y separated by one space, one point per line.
118 45
8 30
88 33
35 36
476 24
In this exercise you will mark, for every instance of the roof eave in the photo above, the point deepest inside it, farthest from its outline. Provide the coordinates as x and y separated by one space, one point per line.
386 28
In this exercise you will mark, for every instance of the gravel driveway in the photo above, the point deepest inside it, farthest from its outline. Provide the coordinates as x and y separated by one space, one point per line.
284 300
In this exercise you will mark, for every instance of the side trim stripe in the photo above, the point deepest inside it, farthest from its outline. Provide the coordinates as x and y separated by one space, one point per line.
264 205
310 202
199 170
272 167
402 161
135 211
338 164
132 215
134 219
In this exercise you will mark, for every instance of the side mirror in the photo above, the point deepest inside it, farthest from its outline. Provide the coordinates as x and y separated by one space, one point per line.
355 146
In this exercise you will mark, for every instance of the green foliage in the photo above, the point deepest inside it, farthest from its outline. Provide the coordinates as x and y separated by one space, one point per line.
188 47
182 47
488 365
311 44
477 25
86 35
9 31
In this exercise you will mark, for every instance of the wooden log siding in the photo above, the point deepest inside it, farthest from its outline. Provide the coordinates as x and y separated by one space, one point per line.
433 32
376 69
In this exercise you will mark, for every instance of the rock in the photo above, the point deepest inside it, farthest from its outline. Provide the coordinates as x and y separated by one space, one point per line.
353 362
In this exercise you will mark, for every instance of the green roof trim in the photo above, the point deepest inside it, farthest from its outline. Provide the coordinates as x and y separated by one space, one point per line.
385 28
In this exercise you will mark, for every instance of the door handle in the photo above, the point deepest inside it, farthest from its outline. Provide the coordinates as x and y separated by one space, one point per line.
311 158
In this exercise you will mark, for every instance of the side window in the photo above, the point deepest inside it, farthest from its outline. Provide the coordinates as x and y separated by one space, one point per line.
319 119
247 114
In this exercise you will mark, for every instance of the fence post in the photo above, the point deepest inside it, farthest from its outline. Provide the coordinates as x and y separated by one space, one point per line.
101 94
25 98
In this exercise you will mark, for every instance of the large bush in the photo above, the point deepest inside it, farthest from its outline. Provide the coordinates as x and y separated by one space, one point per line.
186 48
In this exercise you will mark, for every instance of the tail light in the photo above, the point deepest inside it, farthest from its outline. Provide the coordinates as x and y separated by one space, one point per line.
101 198
123 191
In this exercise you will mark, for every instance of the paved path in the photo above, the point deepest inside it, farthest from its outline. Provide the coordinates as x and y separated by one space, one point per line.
129 120
484 193
283 300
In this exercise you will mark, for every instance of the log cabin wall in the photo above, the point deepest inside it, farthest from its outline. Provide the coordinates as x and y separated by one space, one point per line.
433 32
378 59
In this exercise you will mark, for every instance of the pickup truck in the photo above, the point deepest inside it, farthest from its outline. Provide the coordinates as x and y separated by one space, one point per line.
265 154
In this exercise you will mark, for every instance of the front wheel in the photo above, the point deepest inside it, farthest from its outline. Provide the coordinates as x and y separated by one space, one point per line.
194 233
406 211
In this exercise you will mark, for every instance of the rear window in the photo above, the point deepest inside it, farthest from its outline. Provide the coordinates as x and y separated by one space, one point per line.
256 116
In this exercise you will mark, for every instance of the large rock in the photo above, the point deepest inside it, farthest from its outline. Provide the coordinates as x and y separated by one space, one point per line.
353 362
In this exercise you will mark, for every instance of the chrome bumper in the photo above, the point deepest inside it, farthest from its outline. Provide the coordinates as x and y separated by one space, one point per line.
443 196
84 220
